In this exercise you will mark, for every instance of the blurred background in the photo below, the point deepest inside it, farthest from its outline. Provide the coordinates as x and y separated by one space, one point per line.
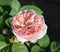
51 9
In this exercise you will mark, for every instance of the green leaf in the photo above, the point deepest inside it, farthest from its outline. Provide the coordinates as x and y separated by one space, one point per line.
33 7
44 42
11 40
1 22
58 50
1 9
15 7
8 22
2 45
18 47
36 48
7 48
55 46
5 2
2 38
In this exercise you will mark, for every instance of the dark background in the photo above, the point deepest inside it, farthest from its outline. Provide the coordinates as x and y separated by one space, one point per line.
51 9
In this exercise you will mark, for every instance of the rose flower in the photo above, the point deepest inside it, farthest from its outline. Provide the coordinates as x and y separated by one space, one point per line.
27 25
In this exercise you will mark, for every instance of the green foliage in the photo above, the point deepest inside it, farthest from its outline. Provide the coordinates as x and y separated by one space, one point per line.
33 7
44 42
8 21
5 2
55 46
2 45
1 9
2 38
15 7
1 22
36 48
18 47
58 50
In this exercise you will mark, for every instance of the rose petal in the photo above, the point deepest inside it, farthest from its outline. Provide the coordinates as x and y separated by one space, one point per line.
41 34
20 38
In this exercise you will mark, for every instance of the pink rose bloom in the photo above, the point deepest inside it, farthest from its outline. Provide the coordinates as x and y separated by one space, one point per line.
27 25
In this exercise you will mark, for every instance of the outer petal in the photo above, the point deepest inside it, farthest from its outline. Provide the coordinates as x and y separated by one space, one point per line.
40 34
20 38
